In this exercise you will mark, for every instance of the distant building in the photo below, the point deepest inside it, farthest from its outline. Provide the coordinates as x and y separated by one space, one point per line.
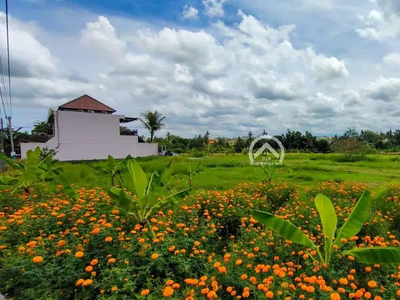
86 129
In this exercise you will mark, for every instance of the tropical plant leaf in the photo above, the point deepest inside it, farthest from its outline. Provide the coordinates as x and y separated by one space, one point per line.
329 221
8 180
68 190
139 180
356 219
376 255
11 162
125 201
284 228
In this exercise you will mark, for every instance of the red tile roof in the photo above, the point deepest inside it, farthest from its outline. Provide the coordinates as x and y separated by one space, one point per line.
86 102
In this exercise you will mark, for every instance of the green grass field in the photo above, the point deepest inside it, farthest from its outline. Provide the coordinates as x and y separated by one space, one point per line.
222 172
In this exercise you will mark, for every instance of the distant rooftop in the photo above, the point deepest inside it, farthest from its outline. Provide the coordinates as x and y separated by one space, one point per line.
86 103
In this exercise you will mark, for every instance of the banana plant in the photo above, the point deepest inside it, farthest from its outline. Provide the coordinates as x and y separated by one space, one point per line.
30 172
148 191
193 172
113 168
353 225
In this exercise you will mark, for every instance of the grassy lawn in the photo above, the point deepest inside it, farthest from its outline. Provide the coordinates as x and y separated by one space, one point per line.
222 172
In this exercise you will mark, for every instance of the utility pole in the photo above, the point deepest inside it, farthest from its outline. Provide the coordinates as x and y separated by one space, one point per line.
11 139
2 135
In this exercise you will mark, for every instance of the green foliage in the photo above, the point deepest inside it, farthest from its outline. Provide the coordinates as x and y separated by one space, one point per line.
32 171
114 168
148 191
352 226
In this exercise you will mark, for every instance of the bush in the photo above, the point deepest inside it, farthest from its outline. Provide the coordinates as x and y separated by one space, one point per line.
197 154
178 150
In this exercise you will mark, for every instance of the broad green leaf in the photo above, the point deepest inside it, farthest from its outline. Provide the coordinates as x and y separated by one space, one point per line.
111 163
376 255
139 180
329 221
11 162
180 195
166 174
284 228
125 201
122 164
8 180
356 219
114 192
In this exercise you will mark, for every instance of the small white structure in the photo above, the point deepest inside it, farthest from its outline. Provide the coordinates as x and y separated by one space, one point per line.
86 129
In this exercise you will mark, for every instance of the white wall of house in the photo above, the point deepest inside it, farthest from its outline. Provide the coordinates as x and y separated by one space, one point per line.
87 136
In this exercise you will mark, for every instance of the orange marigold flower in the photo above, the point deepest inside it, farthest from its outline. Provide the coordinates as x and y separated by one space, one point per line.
154 256
37 259
89 269
145 292
335 296
96 230
168 291
372 284
269 295
114 289
111 260
79 254
94 262
79 282
108 239
61 243
87 282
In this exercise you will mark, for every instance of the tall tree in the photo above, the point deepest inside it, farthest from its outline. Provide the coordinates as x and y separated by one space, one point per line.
152 121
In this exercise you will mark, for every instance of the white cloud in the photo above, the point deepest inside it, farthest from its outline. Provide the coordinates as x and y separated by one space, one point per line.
101 35
382 24
383 89
392 60
214 8
38 61
327 68
189 12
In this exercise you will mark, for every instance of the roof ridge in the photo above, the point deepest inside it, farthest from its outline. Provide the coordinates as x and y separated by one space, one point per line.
65 105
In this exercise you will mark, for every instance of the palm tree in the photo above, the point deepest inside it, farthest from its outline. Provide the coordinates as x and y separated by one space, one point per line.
152 121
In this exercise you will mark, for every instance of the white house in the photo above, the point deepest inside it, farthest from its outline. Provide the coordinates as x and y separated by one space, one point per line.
86 129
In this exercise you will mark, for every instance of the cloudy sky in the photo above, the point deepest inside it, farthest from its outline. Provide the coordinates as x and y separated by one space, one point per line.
227 66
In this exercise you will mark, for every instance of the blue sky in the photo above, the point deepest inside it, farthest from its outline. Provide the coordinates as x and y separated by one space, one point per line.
227 66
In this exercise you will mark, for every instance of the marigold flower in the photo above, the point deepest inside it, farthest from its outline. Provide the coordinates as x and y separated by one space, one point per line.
79 254
114 289
335 296
168 291
94 262
372 284
108 239
79 282
145 292
111 260
154 256
37 259
87 282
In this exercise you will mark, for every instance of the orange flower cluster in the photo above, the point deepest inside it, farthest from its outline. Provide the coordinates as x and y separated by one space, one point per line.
209 248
